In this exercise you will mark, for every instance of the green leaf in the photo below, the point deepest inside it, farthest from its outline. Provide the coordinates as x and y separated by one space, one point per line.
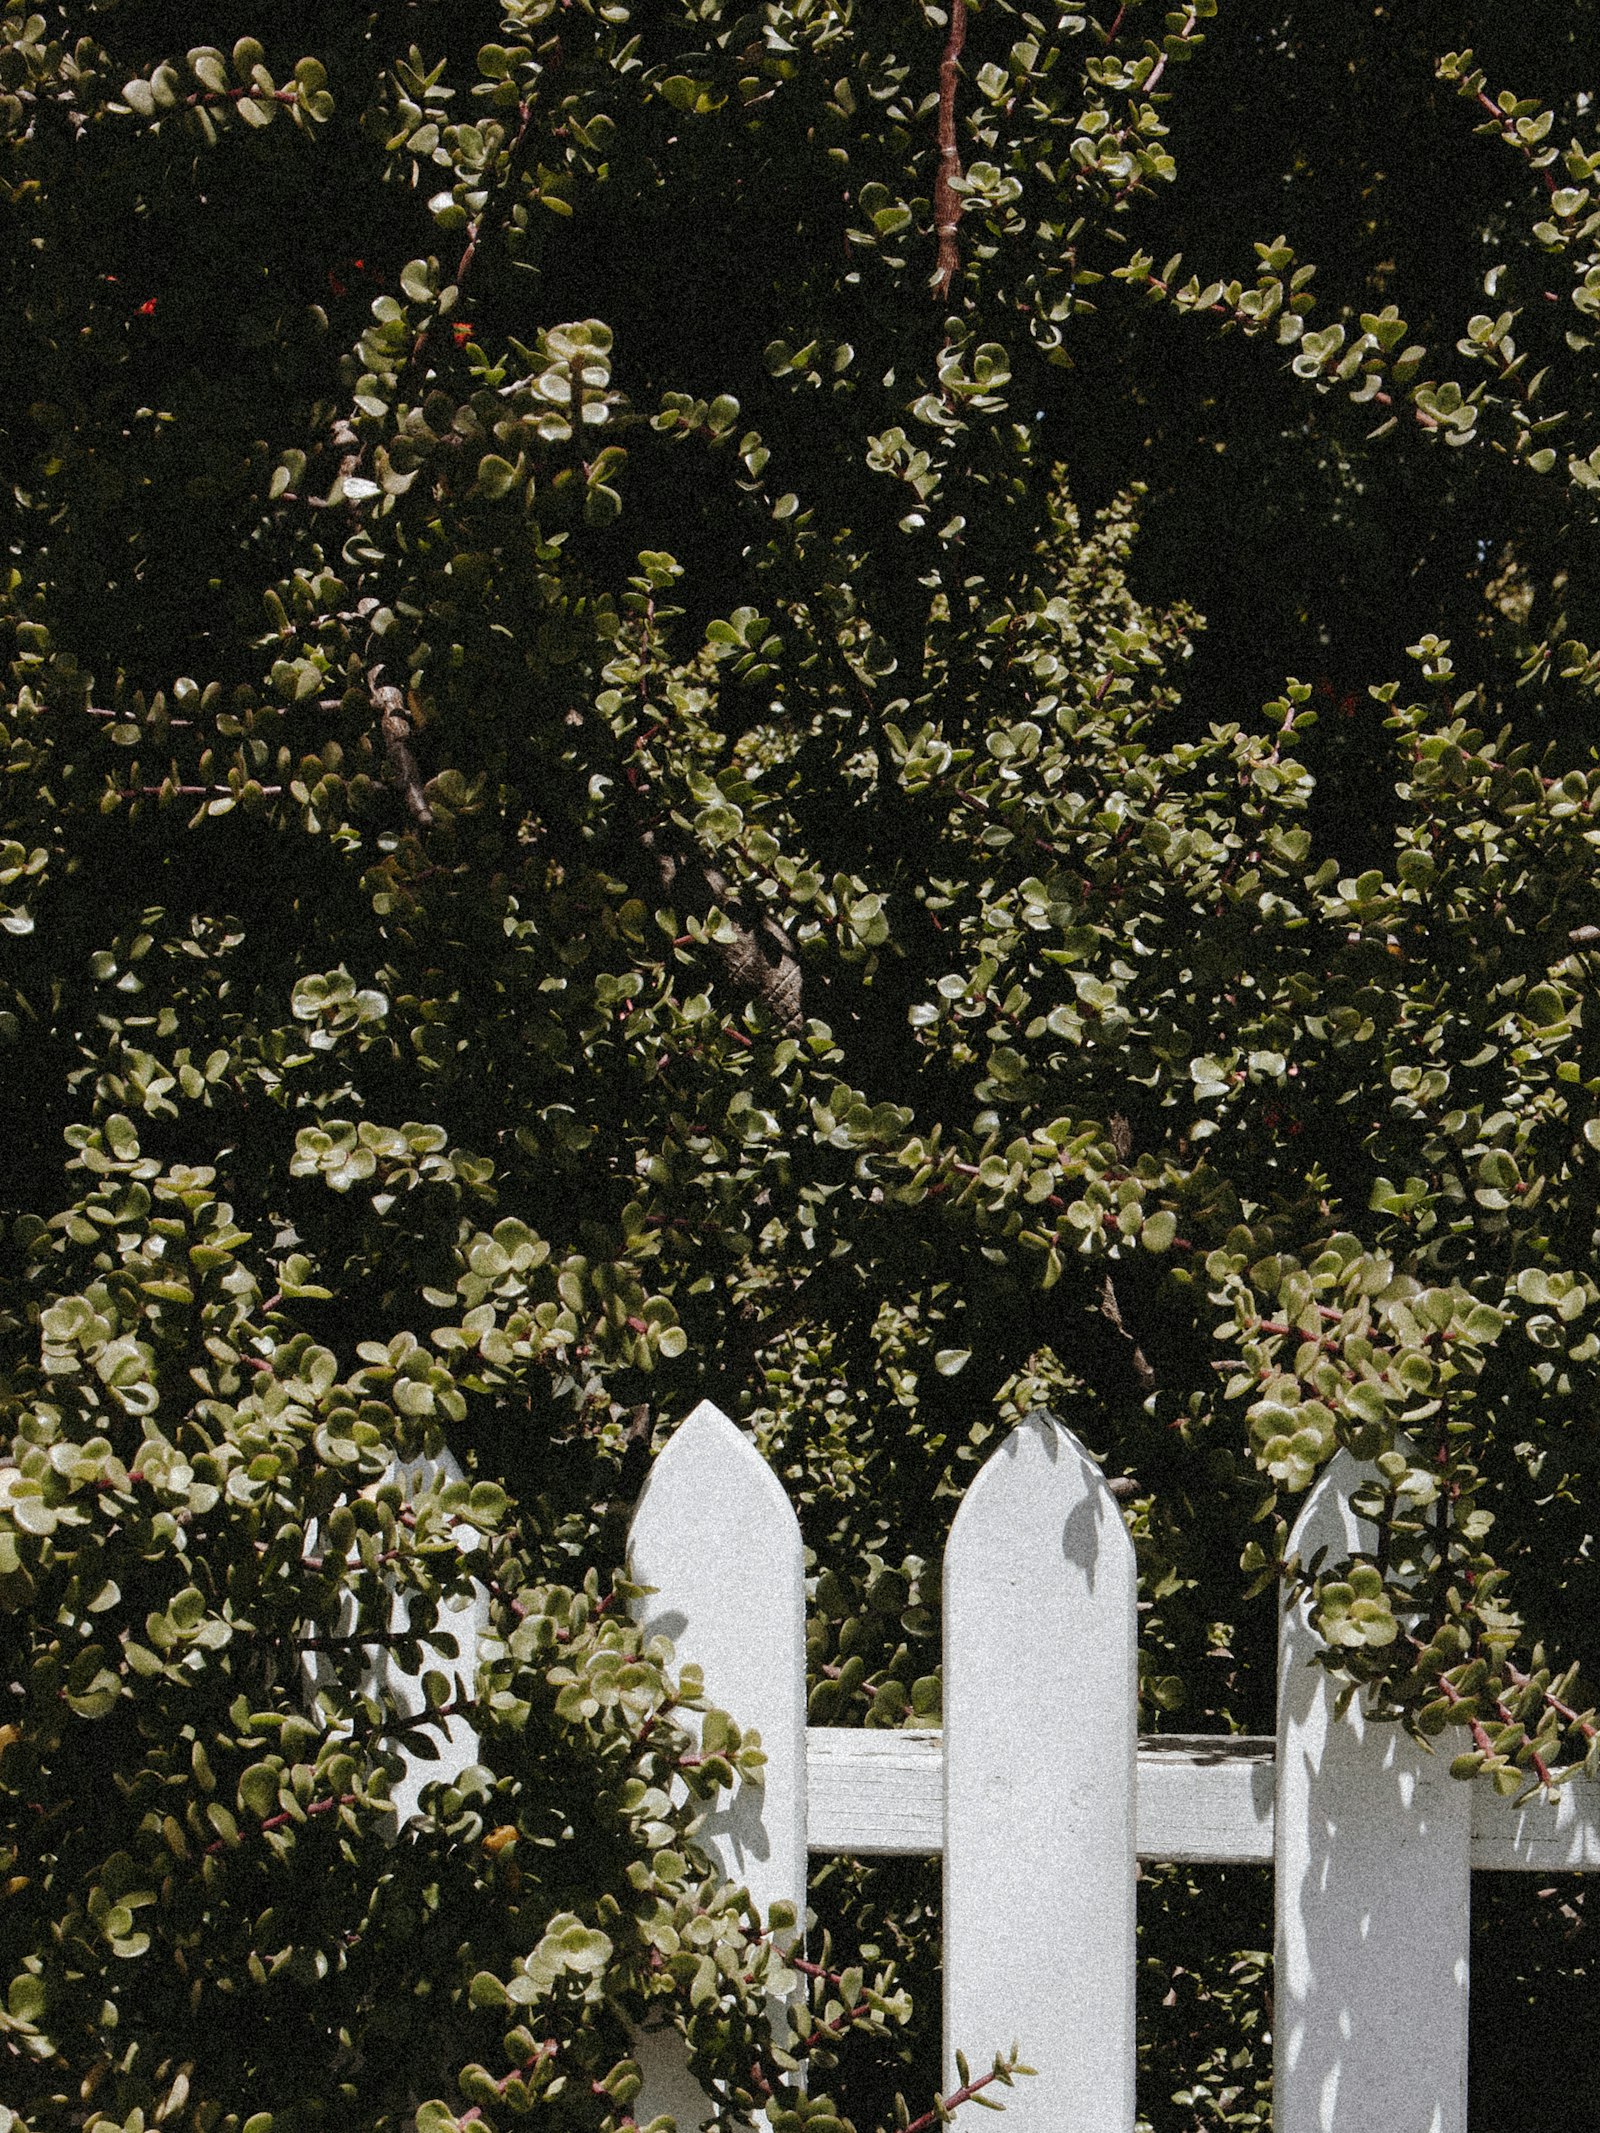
26 1998
497 477
209 68
258 1790
1158 1230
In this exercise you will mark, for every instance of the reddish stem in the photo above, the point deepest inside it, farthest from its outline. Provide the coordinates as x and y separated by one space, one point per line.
237 96
952 2102
313 1807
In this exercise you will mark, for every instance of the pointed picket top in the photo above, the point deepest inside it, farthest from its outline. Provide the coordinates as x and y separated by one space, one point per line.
1040 1718
1373 1884
717 1538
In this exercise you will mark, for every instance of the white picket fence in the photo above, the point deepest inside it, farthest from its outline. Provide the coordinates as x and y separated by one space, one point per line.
1041 1797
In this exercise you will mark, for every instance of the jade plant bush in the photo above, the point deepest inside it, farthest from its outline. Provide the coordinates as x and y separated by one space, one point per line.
588 823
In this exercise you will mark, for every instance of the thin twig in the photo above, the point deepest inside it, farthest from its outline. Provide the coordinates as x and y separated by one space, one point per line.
469 251
946 200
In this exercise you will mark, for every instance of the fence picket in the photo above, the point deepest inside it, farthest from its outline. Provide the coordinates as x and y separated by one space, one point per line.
1373 1844
1030 1792
716 1536
1040 1745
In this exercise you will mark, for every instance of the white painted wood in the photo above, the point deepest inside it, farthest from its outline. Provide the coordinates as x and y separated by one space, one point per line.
1372 1904
1373 1841
1039 1719
1373 1890
717 1538
1544 1837
874 1795
1206 1799
666 2086
1201 1797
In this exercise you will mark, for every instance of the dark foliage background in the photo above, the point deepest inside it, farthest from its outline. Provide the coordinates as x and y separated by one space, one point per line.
602 806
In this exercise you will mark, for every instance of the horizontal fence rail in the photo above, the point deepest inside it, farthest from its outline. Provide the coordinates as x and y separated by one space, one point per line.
1202 1799
1039 1798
